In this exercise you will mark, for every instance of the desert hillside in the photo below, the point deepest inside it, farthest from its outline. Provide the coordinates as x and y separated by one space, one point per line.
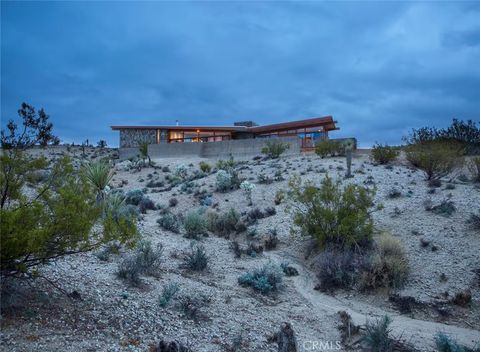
198 292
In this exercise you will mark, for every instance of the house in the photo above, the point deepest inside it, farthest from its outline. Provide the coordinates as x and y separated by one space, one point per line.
244 137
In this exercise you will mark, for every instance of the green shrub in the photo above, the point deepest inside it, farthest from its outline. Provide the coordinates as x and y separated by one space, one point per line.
205 167
169 222
435 158
274 148
377 335
265 279
168 292
226 164
326 148
388 265
99 174
332 214
58 221
224 181
383 154
194 224
196 259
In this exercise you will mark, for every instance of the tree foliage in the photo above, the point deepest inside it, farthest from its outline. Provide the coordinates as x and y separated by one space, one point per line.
465 133
35 129
332 214
56 216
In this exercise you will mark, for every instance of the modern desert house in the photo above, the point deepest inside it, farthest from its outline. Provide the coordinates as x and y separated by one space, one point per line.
242 138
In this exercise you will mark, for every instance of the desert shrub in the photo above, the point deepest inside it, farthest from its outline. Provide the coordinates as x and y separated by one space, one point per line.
445 208
145 260
264 179
388 265
394 193
146 204
279 197
377 335
172 202
462 298
435 183
130 271
474 167
383 154
223 181
265 279
134 197
445 343
107 250
332 213
336 269
227 222
191 306
205 167
143 149
194 224
247 189
169 222
474 221
255 214
181 171
270 211
226 164
274 148
154 184
168 292
435 158
288 270
465 133
271 239
196 259
99 174
325 148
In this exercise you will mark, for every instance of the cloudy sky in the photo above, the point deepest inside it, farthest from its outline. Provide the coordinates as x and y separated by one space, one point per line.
380 68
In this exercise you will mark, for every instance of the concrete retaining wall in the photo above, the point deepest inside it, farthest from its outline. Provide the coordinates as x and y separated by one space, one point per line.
236 147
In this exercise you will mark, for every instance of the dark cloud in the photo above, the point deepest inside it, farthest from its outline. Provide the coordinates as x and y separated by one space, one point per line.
378 68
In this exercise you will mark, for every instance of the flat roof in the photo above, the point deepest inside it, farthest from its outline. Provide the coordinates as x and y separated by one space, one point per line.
326 122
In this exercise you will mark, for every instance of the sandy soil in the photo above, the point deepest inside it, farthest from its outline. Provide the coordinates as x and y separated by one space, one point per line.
111 316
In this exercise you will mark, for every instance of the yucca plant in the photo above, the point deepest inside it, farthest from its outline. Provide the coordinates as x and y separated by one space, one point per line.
99 175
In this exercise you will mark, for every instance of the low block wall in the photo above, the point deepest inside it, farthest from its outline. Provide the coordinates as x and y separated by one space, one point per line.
223 149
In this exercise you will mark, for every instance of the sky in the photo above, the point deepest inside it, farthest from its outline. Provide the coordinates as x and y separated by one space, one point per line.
379 68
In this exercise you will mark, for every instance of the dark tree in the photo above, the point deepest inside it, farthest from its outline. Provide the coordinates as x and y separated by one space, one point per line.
35 129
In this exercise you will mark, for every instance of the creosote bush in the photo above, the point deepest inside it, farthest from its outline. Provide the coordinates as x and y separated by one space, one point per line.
169 222
332 214
435 158
326 148
145 260
274 148
265 279
194 224
383 154
196 259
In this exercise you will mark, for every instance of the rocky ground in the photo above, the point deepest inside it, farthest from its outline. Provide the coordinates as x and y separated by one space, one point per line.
106 314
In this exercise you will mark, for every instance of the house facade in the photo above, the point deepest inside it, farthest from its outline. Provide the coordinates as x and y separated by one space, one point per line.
244 135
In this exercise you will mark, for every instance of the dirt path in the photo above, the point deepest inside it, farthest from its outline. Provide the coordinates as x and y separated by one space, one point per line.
419 333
